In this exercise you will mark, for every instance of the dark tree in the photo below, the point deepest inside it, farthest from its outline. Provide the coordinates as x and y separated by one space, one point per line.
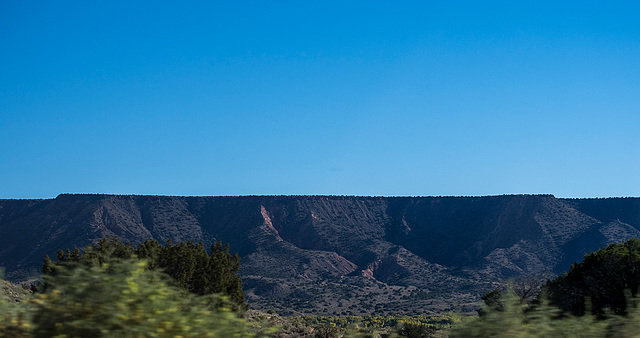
189 265
526 288
602 277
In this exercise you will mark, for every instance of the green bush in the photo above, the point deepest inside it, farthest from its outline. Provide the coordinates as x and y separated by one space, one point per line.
125 299
603 276
14 319
516 318
410 330
189 265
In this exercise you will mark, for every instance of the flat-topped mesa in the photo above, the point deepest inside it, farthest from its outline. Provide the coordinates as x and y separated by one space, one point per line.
461 244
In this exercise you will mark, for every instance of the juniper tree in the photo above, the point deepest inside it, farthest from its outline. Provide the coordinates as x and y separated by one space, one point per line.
188 264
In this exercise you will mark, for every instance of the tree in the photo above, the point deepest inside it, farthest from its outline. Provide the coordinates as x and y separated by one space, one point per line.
188 264
602 277
526 288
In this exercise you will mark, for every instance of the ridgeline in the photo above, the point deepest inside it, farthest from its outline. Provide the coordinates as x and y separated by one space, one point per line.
337 255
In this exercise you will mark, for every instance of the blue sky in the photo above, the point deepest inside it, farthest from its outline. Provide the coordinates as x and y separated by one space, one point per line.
331 97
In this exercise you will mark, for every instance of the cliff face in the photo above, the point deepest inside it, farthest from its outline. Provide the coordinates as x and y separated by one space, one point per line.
307 254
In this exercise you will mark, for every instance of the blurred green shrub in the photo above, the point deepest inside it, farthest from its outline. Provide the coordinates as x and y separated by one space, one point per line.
125 299
14 319
516 318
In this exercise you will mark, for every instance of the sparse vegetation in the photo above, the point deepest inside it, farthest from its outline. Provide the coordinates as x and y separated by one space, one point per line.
357 326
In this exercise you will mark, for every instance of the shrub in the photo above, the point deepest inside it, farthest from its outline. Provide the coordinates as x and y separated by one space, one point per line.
411 330
125 299
518 319
188 264
14 319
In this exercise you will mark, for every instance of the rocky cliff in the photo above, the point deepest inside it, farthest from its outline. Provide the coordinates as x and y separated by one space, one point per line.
334 254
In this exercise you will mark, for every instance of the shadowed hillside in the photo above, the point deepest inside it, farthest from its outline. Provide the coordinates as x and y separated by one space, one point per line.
338 255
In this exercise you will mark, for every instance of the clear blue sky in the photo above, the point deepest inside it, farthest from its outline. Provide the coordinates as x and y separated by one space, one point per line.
319 97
